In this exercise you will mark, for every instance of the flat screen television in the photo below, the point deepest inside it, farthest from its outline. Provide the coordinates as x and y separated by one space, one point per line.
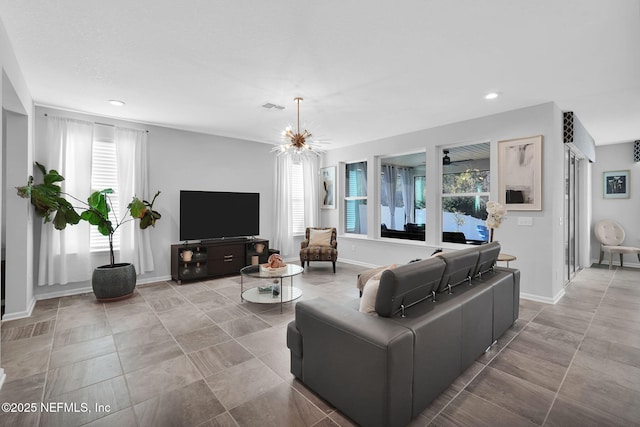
216 214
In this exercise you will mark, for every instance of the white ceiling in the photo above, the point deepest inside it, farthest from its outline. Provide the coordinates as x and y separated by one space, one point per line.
366 70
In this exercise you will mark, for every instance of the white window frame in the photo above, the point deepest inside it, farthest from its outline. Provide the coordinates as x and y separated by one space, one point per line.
443 195
350 198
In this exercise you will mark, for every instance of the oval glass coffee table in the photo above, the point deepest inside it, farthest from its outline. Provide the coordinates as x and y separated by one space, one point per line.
264 293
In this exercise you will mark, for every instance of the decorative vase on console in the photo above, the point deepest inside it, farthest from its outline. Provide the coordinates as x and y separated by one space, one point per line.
495 213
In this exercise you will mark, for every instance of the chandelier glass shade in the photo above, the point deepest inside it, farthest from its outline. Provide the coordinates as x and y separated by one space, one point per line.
296 142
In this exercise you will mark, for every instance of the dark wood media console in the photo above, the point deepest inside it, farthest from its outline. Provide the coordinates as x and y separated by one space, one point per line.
215 258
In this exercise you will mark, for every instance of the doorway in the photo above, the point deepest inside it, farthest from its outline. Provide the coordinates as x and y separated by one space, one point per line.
572 166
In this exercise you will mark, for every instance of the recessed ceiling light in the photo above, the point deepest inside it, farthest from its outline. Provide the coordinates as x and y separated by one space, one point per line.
491 95
116 102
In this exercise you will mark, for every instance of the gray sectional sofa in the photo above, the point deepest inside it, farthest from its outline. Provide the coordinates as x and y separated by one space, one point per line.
435 317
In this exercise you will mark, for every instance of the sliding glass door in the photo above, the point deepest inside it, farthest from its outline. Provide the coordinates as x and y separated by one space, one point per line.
571 213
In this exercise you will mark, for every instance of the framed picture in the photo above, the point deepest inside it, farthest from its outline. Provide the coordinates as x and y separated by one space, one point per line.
328 187
615 184
520 173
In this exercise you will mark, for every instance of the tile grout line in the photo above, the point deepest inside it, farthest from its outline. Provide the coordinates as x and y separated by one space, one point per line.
46 373
182 348
124 375
555 397
255 356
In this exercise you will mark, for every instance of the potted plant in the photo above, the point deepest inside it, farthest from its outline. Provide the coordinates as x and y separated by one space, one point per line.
111 281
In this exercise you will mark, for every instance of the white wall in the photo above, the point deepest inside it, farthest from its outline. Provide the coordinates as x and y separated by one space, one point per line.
182 160
15 98
625 211
539 248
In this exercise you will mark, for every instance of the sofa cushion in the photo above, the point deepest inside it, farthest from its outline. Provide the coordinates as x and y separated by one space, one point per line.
320 237
364 277
407 284
487 256
460 266
369 294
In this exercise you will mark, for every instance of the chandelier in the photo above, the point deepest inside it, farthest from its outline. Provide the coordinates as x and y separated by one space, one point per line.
296 142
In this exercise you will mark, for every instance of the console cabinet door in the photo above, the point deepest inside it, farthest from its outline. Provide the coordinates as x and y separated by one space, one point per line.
227 259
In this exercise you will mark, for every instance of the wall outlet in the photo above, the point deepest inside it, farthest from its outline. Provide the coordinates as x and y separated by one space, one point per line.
525 220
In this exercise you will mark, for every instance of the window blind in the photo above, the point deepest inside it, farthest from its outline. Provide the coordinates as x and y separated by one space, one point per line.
297 199
104 174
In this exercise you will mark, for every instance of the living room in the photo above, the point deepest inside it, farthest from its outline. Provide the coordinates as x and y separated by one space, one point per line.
185 157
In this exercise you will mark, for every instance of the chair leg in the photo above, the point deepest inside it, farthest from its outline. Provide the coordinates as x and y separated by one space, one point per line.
610 260
334 266
601 254
621 260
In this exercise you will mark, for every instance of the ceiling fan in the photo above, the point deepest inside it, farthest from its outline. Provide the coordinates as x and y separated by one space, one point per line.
446 160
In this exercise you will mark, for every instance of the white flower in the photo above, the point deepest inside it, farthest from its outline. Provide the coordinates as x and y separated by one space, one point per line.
495 213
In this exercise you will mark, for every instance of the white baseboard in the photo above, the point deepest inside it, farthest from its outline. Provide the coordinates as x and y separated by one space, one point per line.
20 314
65 293
154 280
545 300
3 377
358 263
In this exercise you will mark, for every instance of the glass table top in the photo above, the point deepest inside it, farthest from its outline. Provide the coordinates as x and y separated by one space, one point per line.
287 271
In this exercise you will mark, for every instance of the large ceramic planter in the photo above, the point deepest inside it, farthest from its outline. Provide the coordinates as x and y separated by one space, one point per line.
113 283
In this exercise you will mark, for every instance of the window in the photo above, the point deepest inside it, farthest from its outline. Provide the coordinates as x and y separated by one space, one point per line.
355 199
104 174
402 197
297 199
465 193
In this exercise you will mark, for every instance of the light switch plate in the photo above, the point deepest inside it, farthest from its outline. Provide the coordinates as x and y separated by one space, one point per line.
525 220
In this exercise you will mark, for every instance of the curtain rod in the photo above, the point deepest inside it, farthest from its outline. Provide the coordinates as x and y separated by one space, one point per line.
97 123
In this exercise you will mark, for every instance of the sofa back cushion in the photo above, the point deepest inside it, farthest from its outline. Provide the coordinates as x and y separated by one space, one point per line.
487 256
460 265
407 285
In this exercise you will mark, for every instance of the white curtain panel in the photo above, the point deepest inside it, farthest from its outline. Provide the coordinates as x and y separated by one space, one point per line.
408 196
310 176
389 180
283 212
133 180
64 254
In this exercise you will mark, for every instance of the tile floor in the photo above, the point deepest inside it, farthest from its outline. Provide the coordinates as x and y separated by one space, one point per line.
194 355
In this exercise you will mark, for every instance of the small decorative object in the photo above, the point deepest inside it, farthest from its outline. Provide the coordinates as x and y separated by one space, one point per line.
328 188
186 255
265 289
259 247
495 212
520 173
255 260
615 184
275 288
274 264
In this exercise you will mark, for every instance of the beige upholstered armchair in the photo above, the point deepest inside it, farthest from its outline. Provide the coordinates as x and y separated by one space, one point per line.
320 244
610 234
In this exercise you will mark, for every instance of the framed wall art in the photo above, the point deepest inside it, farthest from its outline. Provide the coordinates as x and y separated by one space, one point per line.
520 173
328 187
615 184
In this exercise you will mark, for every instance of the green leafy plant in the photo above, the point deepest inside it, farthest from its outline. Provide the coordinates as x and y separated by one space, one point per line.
48 200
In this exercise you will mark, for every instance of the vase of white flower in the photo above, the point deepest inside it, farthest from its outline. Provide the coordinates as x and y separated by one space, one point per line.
495 213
